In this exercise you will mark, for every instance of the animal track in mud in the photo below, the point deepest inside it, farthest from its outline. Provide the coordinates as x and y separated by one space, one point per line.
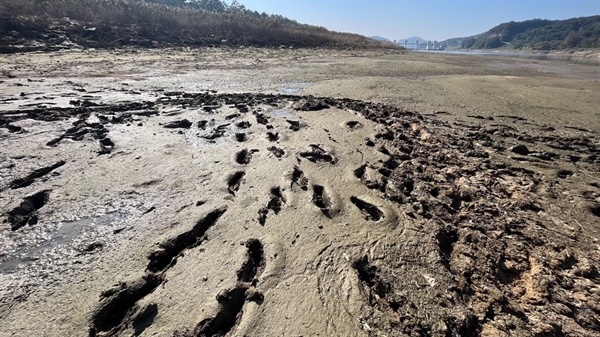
31 177
299 179
243 124
277 151
370 211
261 119
244 157
26 212
231 302
202 124
275 203
218 132
167 255
296 125
354 125
255 264
80 129
119 305
315 154
446 239
367 273
235 181
118 308
322 200
273 136
241 137
106 146
180 124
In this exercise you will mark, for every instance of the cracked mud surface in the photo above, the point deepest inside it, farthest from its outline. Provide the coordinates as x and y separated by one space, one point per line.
138 203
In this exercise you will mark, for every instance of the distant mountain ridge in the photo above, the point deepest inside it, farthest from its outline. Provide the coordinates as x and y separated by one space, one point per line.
540 35
380 38
411 40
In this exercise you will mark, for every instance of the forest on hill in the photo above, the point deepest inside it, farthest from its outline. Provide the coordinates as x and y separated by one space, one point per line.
50 25
540 35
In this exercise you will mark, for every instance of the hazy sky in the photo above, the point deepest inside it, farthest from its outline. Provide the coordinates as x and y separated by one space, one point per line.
428 19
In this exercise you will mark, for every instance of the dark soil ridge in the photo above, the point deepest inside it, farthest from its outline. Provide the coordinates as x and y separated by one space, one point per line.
496 227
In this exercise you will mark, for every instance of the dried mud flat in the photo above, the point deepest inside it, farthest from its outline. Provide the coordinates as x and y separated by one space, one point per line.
298 193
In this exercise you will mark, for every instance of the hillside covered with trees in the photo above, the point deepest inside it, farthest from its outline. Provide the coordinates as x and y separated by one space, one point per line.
540 35
49 25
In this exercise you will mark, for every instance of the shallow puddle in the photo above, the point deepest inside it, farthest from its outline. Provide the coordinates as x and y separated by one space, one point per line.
64 235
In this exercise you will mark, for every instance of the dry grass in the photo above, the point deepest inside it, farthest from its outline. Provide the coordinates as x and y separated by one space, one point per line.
114 23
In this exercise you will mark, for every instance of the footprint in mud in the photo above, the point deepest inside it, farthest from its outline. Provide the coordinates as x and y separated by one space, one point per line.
299 179
354 125
232 116
202 124
241 137
234 182
218 132
106 146
315 154
166 256
261 118
244 157
369 211
31 177
119 307
273 136
296 125
26 212
278 152
231 301
322 200
446 238
181 124
243 124
275 204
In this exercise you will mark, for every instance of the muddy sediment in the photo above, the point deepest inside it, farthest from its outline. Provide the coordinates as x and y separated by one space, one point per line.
337 216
